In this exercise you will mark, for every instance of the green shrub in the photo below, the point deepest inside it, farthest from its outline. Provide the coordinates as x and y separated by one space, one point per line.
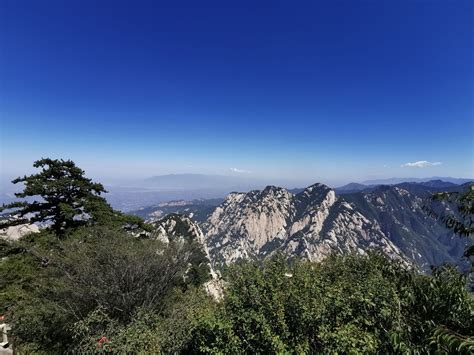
346 304
102 290
50 285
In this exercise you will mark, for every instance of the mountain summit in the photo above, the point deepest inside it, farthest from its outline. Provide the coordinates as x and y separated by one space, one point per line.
315 222
311 224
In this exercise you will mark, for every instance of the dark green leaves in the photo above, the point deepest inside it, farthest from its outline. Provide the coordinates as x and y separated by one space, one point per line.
63 199
345 304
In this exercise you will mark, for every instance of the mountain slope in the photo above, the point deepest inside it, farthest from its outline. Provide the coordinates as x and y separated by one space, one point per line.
351 187
394 181
315 223
198 210
311 224
403 219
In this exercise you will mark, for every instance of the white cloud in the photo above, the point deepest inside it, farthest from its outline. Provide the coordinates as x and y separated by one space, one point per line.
420 164
240 171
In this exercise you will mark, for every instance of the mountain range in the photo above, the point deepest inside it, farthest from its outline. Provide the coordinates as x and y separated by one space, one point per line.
316 221
133 195
200 181
436 184
394 181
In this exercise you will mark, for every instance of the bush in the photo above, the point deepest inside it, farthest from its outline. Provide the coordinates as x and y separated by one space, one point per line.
101 290
148 331
346 304
55 284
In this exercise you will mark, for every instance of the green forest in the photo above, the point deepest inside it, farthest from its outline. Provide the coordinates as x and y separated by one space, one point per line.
94 281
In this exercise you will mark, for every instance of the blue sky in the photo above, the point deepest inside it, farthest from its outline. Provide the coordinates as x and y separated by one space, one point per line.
330 91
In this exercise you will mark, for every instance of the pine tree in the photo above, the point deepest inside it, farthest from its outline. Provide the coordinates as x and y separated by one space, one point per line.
63 197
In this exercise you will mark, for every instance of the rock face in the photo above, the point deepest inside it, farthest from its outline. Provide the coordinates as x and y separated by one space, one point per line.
400 211
309 224
181 228
174 226
16 232
314 222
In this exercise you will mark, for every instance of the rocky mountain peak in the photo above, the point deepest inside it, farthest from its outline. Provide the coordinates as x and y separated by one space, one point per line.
274 190
174 226
317 187
314 195
312 224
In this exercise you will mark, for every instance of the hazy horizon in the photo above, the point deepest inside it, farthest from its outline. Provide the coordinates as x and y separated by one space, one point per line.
143 182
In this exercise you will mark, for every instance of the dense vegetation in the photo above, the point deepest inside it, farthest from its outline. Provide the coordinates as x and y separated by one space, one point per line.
100 286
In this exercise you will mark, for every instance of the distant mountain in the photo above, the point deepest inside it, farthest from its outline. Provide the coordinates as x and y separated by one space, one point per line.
199 210
351 187
419 187
201 181
394 181
439 184
424 189
131 200
139 194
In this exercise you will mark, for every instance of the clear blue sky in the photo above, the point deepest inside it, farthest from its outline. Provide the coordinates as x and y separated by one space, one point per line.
320 90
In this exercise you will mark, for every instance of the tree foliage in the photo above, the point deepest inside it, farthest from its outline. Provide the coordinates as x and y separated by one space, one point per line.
459 219
66 197
351 304
96 269
134 295
461 222
62 198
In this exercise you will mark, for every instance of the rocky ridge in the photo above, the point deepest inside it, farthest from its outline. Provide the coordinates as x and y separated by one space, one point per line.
310 224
